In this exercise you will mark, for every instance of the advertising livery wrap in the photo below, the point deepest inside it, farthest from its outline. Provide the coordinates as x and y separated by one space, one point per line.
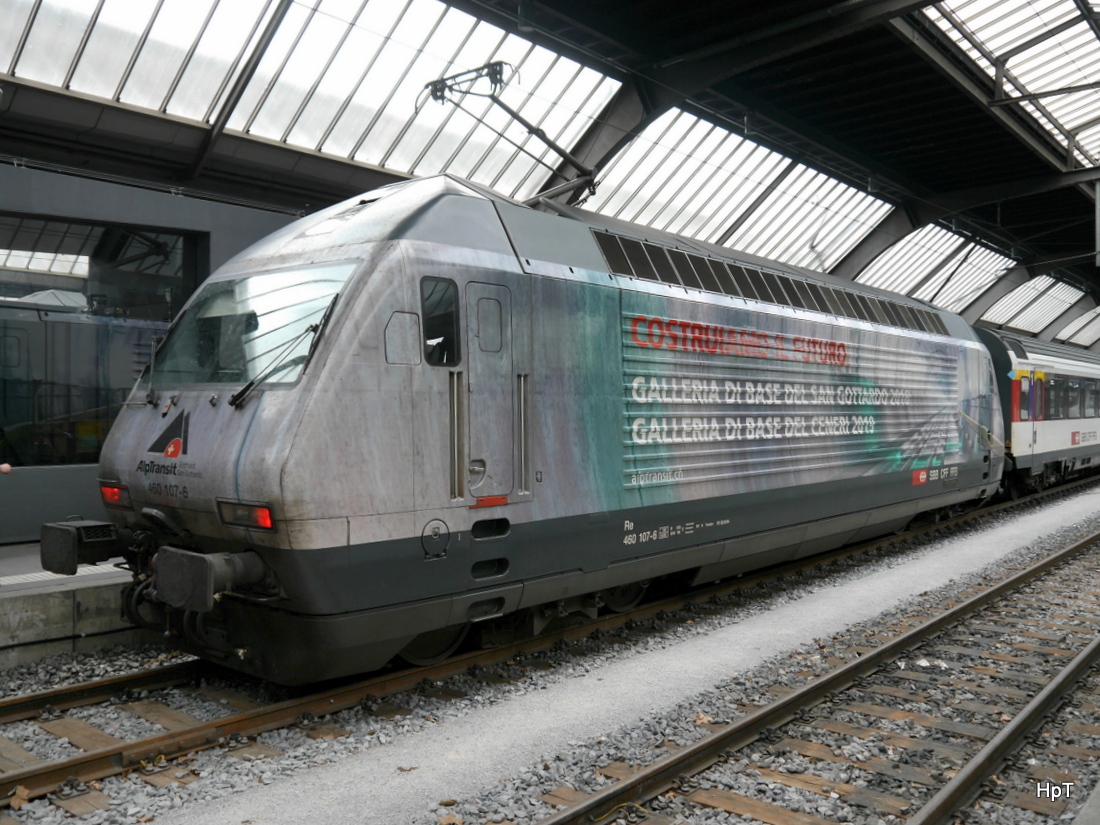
765 401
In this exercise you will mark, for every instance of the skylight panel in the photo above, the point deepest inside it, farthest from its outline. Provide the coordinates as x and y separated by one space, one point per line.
906 264
54 39
217 55
75 266
17 259
164 52
317 43
697 182
686 175
1041 46
343 77
268 71
444 128
809 220
363 104
1014 303
1041 313
589 91
963 277
524 96
633 165
1033 306
1084 330
734 183
14 15
482 141
664 172
111 44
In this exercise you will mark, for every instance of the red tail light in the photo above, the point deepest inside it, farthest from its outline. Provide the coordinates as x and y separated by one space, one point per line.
239 514
115 495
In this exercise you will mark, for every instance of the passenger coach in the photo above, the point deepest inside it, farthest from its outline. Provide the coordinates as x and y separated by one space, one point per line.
1050 395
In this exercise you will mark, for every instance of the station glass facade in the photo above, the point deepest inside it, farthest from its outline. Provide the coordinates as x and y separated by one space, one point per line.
80 308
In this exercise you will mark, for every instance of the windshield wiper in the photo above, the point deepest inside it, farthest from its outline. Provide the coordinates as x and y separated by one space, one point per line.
319 328
313 329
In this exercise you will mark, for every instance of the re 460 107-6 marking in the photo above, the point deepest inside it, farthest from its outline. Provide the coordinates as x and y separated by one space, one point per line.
170 490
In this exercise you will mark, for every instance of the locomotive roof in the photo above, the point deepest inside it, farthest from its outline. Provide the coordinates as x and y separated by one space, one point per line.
570 248
573 244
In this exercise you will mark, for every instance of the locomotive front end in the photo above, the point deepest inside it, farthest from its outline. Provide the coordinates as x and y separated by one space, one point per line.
190 473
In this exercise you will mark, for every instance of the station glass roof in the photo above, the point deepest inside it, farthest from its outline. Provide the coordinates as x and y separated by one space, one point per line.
55 263
55 247
346 78
1044 51
1083 330
691 177
343 77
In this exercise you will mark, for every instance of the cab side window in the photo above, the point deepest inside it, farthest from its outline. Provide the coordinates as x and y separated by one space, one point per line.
439 305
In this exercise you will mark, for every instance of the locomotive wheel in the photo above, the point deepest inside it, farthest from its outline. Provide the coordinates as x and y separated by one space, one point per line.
433 646
624 597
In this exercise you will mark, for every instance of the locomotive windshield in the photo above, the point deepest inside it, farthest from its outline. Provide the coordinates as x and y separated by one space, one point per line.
235 331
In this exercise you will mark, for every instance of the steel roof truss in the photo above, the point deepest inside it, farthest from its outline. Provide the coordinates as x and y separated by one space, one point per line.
226 109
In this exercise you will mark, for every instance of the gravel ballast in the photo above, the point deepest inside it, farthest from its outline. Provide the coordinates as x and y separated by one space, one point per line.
493 752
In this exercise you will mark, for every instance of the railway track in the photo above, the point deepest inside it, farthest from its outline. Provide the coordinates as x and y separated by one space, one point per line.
236 718
957 709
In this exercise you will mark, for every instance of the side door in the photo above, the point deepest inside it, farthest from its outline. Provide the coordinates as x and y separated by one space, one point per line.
491 390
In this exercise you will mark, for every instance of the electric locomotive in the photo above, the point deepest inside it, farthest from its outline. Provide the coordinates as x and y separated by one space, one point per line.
431 407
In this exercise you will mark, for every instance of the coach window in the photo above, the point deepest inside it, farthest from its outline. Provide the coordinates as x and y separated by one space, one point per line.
1073 399
439 304
1025 398
1055 390
1091 398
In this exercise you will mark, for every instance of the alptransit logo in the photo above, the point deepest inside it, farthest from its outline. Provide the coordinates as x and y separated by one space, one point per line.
172 443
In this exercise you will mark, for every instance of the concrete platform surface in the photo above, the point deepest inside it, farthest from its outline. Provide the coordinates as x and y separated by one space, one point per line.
1090 813
42 613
